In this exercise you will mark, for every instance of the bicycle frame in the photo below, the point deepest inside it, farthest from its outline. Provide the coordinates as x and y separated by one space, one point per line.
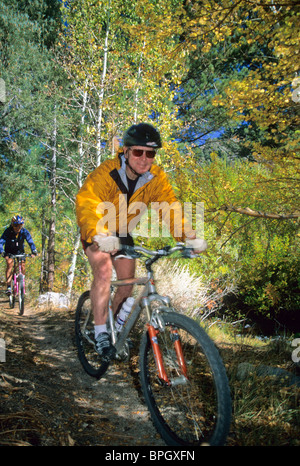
17 272
182 376
17 281
17 276
154 324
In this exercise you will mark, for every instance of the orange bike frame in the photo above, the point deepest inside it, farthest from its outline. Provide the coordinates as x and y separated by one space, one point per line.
158 356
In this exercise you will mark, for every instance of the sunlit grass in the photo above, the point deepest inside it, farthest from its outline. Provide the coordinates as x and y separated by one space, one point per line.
265 408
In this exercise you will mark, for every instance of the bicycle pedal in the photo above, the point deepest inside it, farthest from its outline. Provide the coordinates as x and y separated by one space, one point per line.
124 353
110 355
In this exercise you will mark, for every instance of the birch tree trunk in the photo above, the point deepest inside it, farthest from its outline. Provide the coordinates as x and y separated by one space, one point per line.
44 268
51 241
136 92
101 95
72 268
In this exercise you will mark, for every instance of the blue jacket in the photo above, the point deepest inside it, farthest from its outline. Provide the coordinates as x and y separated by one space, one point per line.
15 244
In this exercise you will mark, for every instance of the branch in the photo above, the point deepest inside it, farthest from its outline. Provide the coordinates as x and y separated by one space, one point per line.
257 213
236 230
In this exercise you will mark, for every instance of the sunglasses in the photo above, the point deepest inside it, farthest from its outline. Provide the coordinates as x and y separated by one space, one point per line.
150 154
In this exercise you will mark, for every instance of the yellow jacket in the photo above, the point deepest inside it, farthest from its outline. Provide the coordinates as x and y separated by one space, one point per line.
102 207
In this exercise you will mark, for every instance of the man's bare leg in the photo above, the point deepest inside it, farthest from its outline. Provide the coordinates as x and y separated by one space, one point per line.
101 265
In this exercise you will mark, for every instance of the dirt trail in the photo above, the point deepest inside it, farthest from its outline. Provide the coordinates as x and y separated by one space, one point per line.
47 399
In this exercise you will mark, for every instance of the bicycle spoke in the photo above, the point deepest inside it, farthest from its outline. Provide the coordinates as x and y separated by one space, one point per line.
12 295
21 294
84 331
183 378
186 412
187 401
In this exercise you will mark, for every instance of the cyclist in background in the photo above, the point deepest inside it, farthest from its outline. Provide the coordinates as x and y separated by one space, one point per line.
13 241
133 174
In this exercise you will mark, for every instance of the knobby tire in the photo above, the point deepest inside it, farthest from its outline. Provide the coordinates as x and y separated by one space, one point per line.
91 361
12 295
199 411
21 294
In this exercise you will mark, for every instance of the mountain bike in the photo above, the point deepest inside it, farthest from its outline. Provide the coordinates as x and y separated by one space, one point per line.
18 282
182 376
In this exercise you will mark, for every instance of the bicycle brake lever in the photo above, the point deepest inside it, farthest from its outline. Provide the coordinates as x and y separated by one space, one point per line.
188 253
128 252
164 251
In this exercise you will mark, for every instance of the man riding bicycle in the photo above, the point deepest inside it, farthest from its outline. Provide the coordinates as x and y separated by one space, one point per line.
118 185
13 239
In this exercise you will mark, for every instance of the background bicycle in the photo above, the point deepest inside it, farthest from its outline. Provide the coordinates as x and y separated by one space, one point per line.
182 376
18 282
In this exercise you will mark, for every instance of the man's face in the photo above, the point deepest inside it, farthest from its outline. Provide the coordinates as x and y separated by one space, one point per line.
141 164
17 228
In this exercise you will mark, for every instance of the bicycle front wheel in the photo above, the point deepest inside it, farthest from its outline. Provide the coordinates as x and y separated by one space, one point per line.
21 294
193 409
12 295
91 361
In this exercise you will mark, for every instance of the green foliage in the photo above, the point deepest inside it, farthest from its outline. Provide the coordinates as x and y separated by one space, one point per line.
46 14
269 282
27 113
197 71
257 255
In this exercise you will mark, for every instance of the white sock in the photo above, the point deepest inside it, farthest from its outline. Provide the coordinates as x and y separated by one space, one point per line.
100 329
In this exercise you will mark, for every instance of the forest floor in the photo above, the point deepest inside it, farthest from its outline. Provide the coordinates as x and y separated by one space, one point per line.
46 399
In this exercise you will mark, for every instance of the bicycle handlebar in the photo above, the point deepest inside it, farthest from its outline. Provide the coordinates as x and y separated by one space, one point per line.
18 256
134 251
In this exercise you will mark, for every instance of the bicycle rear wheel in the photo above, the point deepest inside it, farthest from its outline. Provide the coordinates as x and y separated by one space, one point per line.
12 295
21 294
84 333
194 410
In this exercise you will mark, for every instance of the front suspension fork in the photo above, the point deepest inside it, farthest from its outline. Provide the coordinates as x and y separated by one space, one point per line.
153 332
179 352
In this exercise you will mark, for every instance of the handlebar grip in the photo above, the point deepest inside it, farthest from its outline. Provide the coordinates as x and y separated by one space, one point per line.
188 253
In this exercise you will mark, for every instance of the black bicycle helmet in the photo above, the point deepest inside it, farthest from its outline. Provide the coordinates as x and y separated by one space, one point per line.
142 134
